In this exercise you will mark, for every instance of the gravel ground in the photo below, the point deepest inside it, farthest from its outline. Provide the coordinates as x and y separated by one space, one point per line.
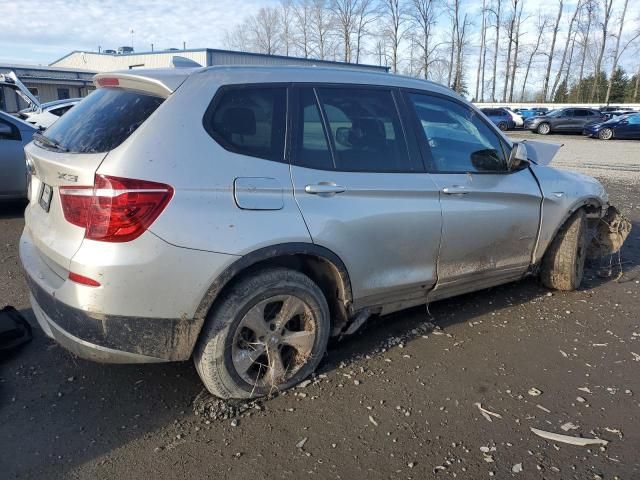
397 400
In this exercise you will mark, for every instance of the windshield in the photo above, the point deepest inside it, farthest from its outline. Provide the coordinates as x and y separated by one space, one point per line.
102 121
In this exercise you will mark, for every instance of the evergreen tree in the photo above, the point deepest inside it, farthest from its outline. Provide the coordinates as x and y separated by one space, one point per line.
618 86
562 93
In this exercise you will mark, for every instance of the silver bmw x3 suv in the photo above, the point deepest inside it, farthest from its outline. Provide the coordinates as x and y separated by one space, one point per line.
241 216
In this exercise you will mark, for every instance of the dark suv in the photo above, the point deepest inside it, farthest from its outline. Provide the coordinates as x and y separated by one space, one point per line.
562 120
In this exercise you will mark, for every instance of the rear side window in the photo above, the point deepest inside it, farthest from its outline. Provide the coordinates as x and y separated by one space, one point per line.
249 121
364 128
103 120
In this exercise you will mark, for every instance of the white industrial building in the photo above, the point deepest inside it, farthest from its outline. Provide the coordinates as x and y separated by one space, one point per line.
70 76
105 62
45 83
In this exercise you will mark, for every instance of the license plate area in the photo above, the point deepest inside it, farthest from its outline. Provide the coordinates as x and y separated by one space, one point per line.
45 197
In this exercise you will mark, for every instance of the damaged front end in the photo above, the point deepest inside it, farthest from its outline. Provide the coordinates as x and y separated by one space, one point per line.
609 234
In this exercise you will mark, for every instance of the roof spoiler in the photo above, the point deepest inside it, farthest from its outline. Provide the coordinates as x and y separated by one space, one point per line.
184 62
12 81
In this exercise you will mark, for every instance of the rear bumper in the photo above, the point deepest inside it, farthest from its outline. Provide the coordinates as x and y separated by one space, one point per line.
109 339
83 348
146 309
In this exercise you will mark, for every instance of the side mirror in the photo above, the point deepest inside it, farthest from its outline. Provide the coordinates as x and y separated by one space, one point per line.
518 159
5 130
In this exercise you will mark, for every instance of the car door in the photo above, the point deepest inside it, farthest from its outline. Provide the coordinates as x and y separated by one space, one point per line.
582 116
628 128
12 163
564 121
490 214
361 188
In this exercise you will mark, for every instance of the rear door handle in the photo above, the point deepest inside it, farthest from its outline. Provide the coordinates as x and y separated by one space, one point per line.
455 190
324 189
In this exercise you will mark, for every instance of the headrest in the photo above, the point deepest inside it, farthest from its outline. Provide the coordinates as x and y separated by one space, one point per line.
239 121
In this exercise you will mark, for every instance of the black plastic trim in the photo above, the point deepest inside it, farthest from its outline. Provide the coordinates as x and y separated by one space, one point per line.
163 338
267 253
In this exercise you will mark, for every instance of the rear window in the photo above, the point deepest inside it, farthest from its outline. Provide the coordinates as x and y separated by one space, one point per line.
103 120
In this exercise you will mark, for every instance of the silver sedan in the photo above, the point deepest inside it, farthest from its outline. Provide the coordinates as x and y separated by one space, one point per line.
14 135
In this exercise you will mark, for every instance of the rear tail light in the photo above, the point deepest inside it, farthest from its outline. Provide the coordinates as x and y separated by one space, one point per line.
115 209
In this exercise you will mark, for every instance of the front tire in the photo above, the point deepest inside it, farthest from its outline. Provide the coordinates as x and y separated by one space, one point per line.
563 263
544 128
267 333
605 134
503 126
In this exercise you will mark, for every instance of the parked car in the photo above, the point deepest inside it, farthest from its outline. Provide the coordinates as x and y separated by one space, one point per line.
562 120
518 119
48 112
14 135
622 126
189 213
617 113
501 117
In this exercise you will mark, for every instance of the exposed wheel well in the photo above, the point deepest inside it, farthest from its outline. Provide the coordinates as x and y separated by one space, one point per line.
320 265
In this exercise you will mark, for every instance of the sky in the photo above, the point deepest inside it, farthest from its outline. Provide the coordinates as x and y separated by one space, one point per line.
41 31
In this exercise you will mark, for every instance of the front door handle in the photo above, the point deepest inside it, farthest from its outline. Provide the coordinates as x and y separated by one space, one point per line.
324 189
455 190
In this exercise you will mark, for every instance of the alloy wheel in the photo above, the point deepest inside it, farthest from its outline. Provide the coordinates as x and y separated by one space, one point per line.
274 340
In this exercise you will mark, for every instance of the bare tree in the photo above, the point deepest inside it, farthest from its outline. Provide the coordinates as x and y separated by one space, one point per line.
545 87
344 13
566 47
366 14
495 51
287 27
302 13
543 22
510 34
453 9
616 52
423 16
265 30
320 28
482 54
394 18
635 90
607 5
589 8
516 46
461 41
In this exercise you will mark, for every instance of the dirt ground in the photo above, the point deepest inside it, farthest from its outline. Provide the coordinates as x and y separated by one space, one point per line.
396 400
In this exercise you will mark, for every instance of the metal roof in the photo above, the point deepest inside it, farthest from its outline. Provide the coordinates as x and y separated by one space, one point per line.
227 52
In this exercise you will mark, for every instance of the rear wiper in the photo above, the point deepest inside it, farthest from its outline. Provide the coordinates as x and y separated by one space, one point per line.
49 141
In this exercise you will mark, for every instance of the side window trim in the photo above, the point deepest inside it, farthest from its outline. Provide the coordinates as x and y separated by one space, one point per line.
325 127
423 141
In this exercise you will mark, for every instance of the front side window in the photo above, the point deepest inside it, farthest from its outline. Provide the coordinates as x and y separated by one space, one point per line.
634 120
365 130
250 121
458 139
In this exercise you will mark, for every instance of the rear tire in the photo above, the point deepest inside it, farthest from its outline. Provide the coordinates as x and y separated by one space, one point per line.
563 263
605 134
267 333
544 128
503 126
